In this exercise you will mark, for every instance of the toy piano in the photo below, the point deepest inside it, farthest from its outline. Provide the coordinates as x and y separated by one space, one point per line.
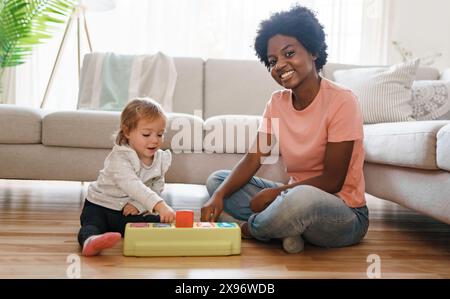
184 238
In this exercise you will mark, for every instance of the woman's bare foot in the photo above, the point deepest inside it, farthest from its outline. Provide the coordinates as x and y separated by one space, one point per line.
245 233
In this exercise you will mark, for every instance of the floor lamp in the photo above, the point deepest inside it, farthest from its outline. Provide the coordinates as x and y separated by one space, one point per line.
78 15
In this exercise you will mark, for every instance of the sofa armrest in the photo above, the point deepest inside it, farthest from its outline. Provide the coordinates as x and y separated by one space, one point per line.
20 125
407 144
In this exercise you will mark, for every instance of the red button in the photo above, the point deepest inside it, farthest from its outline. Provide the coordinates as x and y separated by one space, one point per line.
184 218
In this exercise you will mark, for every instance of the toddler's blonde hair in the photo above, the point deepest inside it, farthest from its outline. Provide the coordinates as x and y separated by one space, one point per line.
135 110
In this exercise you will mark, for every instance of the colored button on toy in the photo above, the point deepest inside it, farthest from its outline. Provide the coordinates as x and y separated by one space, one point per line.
184 218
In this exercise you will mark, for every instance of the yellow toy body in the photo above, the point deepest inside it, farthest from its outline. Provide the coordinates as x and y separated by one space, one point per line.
164 239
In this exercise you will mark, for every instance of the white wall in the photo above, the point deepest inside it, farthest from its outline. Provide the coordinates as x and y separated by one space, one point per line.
421 26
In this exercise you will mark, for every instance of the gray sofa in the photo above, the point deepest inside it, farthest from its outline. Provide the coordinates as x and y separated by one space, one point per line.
408 163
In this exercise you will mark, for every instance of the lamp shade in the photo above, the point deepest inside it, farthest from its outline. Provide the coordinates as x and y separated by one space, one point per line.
98 5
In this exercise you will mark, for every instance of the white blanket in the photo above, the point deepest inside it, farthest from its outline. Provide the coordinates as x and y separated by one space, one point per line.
108 81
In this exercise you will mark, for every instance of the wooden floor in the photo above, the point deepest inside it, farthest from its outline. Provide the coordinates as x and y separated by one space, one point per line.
39 222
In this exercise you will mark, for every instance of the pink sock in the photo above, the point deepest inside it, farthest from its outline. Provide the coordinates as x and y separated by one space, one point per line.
94 244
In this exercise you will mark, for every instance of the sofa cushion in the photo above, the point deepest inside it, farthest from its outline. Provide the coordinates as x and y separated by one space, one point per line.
232 134
236 87
409 144
430 99
96 129
87 129
188 94
184 133
20 125
443 148
384 94
186 197
423 72
445 75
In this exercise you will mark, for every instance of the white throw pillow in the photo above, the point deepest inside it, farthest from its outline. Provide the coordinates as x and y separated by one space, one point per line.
430 99
384 93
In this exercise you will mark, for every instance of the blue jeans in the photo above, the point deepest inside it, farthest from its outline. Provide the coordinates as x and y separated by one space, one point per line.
321 218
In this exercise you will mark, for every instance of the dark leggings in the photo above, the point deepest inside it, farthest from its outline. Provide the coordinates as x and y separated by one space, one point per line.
97 220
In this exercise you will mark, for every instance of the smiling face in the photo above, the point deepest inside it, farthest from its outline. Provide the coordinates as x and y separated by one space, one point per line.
290 63
147 138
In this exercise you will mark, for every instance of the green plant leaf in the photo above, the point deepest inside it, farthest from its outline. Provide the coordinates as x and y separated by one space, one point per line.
26 23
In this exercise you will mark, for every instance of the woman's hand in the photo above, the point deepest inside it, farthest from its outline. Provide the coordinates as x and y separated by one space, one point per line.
212 208
129 209
166 213
263 199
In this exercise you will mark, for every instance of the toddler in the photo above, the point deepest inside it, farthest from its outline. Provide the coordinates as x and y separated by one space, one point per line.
128 188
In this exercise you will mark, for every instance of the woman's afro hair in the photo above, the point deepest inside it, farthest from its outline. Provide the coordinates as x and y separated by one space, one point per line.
298 22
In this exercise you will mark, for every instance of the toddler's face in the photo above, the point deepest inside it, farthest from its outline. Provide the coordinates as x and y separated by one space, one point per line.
147 138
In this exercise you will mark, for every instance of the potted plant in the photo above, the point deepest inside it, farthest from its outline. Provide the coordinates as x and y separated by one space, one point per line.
26 23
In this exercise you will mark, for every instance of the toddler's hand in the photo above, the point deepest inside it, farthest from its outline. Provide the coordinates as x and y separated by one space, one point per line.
129 209
166 213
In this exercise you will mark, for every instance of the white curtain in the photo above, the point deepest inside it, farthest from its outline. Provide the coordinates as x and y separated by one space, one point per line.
375 25
193 28
8 86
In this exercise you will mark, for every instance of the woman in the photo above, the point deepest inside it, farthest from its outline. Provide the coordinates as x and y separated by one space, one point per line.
320 139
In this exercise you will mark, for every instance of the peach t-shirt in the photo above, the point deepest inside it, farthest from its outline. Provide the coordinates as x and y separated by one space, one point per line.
333 116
